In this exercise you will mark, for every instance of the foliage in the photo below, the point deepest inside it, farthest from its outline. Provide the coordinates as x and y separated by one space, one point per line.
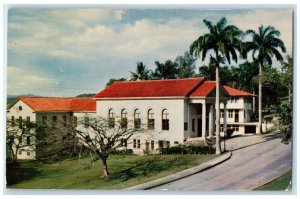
111 81
186 65
18 132
167 70
285 122
186 149
280 184
141 72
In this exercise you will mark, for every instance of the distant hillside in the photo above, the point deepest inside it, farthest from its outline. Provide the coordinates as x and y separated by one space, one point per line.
11 98
86 95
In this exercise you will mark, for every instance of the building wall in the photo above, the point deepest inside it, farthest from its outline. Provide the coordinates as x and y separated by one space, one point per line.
174 107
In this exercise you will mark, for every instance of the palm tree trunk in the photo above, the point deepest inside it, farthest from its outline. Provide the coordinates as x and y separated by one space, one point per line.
259 99
218 147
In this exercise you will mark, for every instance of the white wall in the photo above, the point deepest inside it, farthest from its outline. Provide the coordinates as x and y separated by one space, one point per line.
24 113
175 108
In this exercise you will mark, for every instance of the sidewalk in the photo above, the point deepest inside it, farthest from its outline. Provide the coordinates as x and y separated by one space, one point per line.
182 174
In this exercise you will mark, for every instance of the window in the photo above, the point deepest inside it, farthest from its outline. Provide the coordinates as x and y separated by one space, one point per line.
12 121
165 120
123 142
230 113
28 153
75 121
134 143
123 118
185 126
54 120
20 108
28 140
139 144
44 120
27 120
137 119
150 119
222 114
163 144
20 122
86 122
152 145
236 116
221 128
20 152
64 120
111 118
193 124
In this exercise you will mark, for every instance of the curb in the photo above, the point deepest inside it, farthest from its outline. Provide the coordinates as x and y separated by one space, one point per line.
182 174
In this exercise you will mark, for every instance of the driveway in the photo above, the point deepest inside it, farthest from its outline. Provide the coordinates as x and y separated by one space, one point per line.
255 160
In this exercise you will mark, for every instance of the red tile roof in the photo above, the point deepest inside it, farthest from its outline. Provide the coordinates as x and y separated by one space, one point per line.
59 104
151 88
208 86
235 92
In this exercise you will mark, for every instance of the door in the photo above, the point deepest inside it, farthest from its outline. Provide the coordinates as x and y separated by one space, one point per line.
199 127
147 147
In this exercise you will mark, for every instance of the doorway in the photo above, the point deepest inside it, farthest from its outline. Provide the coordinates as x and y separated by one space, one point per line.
199 127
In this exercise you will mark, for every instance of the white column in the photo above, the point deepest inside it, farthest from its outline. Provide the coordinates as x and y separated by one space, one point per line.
225 119
188 119
211 121
203 119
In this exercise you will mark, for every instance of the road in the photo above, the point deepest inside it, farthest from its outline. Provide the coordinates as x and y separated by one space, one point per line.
255 160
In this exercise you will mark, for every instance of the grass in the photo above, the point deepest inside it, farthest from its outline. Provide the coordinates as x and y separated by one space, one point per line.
279 184
125 171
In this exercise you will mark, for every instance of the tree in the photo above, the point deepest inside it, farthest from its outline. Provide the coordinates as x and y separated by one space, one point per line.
111 81
167 70
287 78
141 72
224 40
100 136
264 45
285 122
19 136
186 65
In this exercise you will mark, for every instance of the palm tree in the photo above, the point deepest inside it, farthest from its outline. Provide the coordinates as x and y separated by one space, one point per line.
141 72
264 45
224 40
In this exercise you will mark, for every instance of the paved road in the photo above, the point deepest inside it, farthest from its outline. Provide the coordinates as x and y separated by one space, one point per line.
255 160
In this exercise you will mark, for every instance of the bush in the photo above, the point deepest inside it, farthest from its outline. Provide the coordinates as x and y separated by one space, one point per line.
122 152
186 149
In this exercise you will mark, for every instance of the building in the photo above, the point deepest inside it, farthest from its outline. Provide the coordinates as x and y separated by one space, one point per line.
173 111
47 109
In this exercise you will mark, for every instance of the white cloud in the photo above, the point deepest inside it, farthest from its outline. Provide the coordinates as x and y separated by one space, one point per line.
20 81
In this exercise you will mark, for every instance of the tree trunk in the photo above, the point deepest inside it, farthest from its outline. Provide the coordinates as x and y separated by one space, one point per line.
259 99
218 147
105 168
253 102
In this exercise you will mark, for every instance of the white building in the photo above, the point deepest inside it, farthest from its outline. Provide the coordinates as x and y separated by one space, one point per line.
47 109
173 111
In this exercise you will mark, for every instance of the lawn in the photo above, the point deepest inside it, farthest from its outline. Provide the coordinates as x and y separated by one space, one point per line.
279 184
125 171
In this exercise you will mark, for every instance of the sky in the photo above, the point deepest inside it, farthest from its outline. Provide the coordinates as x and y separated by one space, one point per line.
65 52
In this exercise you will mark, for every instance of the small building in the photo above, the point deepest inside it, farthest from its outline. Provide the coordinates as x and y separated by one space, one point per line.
47 109
173 111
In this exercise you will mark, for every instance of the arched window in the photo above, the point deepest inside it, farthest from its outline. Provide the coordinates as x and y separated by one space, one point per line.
111 118
165 120
150 119
123 118
137 119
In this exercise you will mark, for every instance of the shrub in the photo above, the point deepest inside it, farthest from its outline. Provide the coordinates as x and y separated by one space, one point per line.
122 152
186 149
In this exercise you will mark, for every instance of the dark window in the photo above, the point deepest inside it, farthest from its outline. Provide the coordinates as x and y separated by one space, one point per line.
134 143
28 140
75 121
20 152
139 144
185 126
137 119
86 122
12 121
124 142
54 120
111 118
28 153
44 120
20 108
151 120
165 120
64 118
20 122
160 143
27 120
193 124
152 145
123 119
236 116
